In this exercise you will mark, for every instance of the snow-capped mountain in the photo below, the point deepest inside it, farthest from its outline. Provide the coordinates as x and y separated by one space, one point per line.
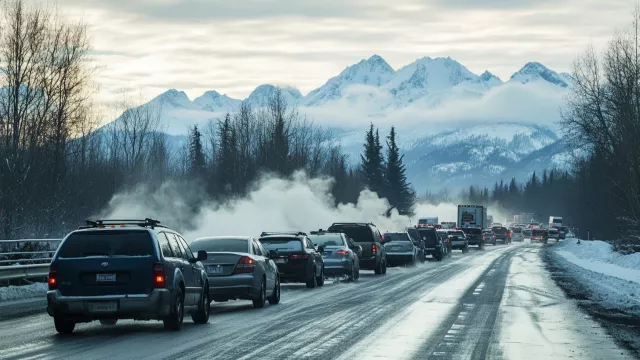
374 71
535 71
456 127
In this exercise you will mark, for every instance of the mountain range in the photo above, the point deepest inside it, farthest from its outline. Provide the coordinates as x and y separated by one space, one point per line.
455 127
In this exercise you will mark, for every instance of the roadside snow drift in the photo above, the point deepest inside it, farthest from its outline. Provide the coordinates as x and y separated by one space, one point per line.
22 292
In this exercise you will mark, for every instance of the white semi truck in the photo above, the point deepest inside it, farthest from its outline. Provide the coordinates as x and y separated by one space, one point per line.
472 219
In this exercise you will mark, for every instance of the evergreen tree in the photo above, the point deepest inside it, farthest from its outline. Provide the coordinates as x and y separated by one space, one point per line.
398 191
197 161
226 152
372 168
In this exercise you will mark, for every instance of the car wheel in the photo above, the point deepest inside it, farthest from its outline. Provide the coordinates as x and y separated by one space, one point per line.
384 267
176 318
465 249
378 269
202 315
422 258
352 275
259 302
311 283
108 322
275 297
320 279
63 326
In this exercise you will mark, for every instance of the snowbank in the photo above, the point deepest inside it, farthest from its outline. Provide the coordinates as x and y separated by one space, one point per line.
610 279
598 256
23 292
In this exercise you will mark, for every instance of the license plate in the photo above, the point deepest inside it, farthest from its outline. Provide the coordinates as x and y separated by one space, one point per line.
281 261
105 277
214 269
103 306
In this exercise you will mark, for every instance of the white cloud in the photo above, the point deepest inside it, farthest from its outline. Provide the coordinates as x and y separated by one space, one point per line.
233 46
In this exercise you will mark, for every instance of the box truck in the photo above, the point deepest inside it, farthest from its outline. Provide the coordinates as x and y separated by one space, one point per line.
472 219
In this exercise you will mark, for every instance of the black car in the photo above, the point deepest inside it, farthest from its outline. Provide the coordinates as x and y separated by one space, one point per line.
402 249
297 258
366 235
126 269
341 255
500 233
474 236
433 244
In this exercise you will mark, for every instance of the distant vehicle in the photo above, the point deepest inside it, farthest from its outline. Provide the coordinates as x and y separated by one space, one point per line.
458 239
517 234
534 225
434 245
496 224
341 255
428 221
239 268
367 235
518 219
526 232
126 269
553 233
500 233
555 221
401 249
448 224
539 235
471 220
297 258
562 232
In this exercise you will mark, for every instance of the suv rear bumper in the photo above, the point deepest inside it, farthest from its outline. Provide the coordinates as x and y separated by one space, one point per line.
156 305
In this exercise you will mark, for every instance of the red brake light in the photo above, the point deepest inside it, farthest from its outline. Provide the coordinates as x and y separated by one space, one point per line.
245 265
158 276
342 252
299 256
374 249
53 279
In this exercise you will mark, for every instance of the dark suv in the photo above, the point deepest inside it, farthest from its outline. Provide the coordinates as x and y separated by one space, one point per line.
474 236
366 235
433 243
297 259
126 269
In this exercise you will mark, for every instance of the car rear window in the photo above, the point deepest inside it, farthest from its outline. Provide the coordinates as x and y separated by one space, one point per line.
499 230
282 244
516 230
429 234
472 231
220 245
355 232
396 237
107 243
327 240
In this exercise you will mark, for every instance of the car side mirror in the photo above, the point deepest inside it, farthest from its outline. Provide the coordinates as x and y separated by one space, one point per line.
357 248
273 254
202 255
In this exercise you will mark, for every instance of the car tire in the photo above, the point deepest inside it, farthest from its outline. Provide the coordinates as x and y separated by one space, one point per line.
108 322
423 258
63 326
378 269
312 282
202 315
384 267
465 249
176 317
352 275
262 298
320 279
275 297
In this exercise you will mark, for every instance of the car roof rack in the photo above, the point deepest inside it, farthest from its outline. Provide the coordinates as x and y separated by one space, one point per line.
353 223
103 223
292 233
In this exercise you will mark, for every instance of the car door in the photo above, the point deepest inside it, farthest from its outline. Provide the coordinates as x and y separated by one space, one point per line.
196 268
265 263
190 288
317 257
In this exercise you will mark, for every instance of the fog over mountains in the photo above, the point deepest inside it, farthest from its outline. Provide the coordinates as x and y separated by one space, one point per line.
455 127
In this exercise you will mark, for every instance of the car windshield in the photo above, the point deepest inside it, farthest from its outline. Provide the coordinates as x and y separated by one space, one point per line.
327 240
281 244
388 237
107 243
359 233
220 245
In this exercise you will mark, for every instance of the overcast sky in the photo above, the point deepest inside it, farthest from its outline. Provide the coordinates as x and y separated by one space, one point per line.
232 46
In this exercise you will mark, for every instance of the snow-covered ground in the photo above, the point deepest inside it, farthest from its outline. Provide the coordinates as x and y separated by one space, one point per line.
22 292
612 279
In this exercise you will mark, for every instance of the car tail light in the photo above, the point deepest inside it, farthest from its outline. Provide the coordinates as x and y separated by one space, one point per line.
374 249
53 278
299 256
342 252
159 279
245 265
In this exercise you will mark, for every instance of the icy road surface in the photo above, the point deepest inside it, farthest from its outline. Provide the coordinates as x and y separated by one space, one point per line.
496 304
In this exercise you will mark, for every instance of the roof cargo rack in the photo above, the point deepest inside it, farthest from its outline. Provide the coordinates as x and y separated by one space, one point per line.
112 223
294 233
353 223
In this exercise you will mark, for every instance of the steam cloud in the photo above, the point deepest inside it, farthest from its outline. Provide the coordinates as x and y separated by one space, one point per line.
276 204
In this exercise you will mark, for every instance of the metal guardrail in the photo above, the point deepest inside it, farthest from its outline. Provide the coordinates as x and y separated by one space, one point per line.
14 270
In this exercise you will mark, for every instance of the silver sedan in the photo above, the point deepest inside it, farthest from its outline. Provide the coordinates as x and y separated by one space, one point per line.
239 268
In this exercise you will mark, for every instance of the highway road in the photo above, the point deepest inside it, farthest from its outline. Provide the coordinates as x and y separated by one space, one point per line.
499 303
